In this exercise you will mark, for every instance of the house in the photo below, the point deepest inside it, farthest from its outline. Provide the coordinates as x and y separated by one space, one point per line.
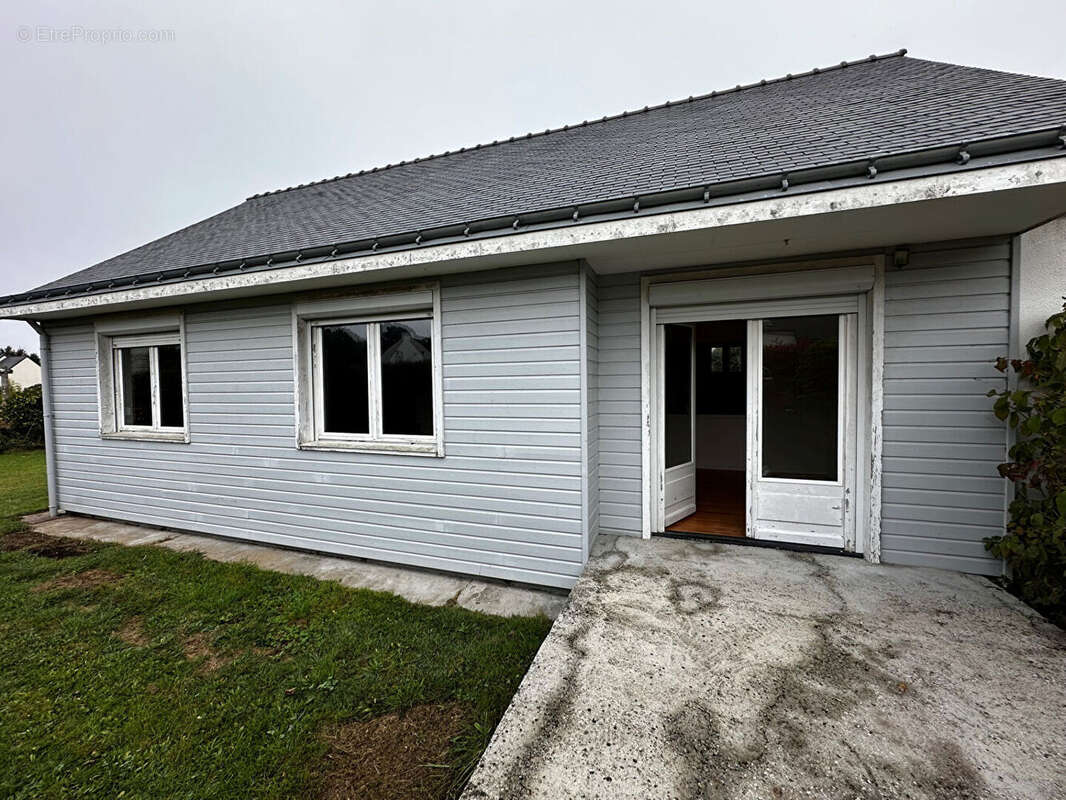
767 314
20 371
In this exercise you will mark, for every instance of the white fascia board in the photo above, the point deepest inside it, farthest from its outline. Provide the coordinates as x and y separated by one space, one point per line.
453 256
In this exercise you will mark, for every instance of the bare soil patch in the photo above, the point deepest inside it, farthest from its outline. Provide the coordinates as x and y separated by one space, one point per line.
132 632
198 647
90 579
20 540
394 756
43 545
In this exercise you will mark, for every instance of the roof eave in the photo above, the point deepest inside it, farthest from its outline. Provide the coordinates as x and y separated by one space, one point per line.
965 157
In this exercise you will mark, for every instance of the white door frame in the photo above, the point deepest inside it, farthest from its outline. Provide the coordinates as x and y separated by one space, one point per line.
843 488
687 470
819 284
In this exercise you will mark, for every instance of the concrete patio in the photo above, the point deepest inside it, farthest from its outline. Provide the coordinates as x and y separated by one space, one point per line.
693 670
418 586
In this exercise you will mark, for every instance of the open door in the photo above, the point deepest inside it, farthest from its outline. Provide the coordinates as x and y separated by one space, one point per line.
801 429
677 406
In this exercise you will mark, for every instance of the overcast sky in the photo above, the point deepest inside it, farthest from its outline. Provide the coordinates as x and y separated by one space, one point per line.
108 145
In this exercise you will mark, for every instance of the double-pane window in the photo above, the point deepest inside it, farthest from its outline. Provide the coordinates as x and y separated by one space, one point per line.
373 380
149 395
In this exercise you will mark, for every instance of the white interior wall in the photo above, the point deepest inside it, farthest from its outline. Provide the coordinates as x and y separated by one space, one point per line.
720 441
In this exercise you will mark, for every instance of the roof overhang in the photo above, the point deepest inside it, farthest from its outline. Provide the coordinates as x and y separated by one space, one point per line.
982 199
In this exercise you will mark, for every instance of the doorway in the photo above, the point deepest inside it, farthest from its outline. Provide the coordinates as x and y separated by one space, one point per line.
758 426
718 400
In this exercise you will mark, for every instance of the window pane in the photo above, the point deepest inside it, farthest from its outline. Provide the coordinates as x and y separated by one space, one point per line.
171 412
344 379
716 359
736 359
800 374
407 377
677 363
136 386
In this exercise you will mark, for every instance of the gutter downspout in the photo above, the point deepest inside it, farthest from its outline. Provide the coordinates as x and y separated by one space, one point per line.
49 417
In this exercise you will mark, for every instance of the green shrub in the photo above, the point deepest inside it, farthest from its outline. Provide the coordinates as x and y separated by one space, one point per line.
1034 546
21 419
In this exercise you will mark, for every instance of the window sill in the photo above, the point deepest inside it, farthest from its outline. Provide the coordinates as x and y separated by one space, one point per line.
147 436
429 449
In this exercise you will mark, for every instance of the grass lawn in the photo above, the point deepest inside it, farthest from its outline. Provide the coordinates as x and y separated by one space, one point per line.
141 672
23 488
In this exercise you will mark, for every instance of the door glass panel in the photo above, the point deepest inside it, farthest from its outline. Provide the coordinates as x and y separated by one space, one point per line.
344 379
799 414
407 378
171 408
677 365
136 386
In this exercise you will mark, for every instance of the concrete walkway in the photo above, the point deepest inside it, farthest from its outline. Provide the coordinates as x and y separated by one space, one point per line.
418 586
694 670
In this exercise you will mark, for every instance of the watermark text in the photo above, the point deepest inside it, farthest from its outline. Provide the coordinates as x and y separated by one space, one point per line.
77 34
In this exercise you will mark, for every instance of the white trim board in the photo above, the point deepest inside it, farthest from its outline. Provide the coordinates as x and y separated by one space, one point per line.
583 372
487 253
870 446
866 299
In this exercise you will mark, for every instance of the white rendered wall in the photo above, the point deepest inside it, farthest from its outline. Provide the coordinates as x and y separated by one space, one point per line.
1043 276
26 374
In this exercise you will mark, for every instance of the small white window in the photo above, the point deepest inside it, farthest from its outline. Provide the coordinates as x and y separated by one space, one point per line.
370 378
149 390
142 379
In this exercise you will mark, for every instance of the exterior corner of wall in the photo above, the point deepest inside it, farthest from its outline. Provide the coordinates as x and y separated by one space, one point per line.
590 370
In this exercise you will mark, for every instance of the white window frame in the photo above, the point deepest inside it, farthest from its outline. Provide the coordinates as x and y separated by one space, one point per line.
152 342
152 331
371 309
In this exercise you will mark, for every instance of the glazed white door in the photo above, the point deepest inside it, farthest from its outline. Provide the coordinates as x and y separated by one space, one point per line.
677 410
802 383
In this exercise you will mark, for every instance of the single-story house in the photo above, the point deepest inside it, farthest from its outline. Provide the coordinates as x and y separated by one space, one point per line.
19 370
765 314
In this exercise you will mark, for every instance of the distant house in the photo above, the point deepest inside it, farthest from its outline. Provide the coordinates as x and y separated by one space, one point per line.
21 371
767 314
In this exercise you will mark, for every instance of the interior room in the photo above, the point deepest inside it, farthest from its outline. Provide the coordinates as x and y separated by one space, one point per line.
721 401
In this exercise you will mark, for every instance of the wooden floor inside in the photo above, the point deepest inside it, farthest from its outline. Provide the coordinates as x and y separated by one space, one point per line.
719 505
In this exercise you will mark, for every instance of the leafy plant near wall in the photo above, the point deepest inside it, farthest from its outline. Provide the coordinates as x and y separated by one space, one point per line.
1034 546
21 419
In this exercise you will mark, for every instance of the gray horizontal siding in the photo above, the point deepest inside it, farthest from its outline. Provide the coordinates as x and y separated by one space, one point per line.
619 403
946 318
504 502
507 499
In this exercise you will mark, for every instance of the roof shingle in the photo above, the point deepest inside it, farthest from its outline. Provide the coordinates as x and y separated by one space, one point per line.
868 109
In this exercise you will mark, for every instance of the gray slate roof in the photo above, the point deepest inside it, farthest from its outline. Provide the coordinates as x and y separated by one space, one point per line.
7 363
862 110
